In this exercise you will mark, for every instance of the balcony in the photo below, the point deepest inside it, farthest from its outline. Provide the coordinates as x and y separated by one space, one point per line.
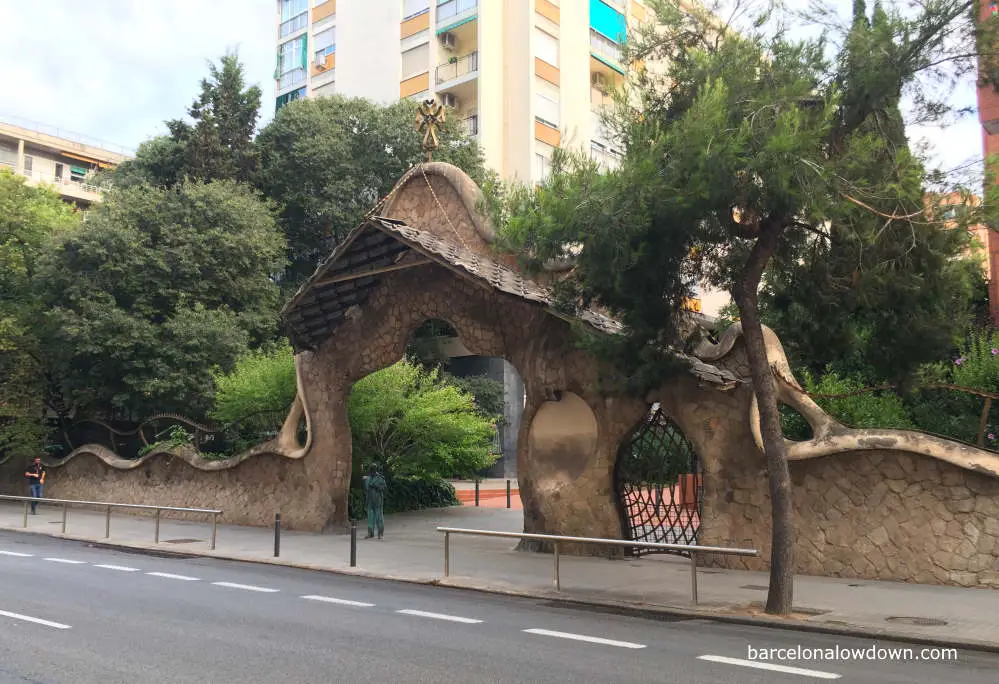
471 125
294 24
291 78
607 49
458 67
455 10
70 189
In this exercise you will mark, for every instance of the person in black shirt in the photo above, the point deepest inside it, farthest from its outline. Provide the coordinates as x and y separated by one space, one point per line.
35 475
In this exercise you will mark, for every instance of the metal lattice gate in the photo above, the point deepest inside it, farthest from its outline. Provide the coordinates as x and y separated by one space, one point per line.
659 484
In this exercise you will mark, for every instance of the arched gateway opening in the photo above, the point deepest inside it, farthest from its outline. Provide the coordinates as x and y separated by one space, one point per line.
433 261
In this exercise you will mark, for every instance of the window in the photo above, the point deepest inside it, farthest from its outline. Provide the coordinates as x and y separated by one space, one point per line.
58 171
29 163
412 8
542 167
291 62
324 43
546 47
292 8
546 103
77 173
416 61
451 8
325 89
294 16
602 45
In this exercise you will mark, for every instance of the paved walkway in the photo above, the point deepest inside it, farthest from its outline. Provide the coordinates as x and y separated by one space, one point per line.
413 550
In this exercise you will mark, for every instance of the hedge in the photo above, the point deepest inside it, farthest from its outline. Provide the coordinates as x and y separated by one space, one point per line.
406 495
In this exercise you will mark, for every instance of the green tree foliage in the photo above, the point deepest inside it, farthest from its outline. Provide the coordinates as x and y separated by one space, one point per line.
418 426
29 217
328 161
743 150
218 145
262 382
879 296
486 392
154 291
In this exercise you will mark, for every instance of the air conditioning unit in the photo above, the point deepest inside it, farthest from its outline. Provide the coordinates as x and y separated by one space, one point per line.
449 100
448 41
599 81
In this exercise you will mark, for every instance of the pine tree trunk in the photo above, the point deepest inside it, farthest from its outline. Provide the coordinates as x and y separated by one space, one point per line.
745 293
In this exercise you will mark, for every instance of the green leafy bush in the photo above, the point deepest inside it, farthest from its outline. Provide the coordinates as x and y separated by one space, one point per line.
406 495
415 424
261 382
868 410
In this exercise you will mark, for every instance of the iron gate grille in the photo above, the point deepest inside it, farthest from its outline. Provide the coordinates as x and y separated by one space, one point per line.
659 485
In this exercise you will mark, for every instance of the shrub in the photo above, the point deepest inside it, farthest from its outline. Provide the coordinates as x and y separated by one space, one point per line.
405 495
417 425
261 383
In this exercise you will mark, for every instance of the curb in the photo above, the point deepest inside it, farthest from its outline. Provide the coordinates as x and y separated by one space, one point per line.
643 610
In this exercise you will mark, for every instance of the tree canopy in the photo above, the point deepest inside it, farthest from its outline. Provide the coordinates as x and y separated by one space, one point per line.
218 145
744 150
155 290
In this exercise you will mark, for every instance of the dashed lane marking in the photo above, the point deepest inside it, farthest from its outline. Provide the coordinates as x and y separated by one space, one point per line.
167 575
583 637
37 621
339 602
756 665
119 568
67 561
246 587
15 553
440 616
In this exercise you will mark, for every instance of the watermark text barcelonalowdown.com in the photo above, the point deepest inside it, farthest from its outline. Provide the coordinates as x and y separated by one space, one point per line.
872 652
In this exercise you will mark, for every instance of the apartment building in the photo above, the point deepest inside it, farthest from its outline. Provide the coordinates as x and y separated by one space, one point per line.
47 156
525 76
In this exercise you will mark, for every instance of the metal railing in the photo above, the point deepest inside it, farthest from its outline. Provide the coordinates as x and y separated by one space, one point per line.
471 124
555 539
38 127
461 66
66 503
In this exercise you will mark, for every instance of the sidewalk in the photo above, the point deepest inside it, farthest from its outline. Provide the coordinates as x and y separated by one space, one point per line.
413 551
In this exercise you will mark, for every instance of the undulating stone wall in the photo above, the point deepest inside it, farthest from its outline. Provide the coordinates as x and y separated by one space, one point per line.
886 515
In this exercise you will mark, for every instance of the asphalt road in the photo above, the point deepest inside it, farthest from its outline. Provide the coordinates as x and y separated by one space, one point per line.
78 614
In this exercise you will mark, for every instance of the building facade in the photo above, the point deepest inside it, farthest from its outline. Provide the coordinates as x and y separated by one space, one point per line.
525 76
46 156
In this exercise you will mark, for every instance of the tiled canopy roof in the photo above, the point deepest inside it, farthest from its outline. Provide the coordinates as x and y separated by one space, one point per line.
380 246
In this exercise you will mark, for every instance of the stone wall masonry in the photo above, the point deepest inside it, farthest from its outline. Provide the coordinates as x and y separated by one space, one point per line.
879 515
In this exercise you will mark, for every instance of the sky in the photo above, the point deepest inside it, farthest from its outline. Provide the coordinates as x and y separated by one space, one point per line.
115 70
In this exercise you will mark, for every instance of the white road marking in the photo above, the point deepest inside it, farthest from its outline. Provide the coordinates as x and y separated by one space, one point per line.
168 575
769 666
37 621
247 587
440 616
15 553
583 637
340 602
66 561
120 568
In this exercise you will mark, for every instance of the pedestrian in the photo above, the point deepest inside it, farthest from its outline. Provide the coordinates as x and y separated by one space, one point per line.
374 498
35 475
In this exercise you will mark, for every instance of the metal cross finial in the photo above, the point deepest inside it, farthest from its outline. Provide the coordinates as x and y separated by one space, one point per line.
429 118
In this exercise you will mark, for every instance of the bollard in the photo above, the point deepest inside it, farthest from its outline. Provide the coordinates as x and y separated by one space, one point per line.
353 543
508 493
693 577
25 513
65 508
156 534
107 524
447 554
476 493
555 572
215 529
277 534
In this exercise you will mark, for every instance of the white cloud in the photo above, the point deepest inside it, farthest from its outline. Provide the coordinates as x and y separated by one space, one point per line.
116 69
